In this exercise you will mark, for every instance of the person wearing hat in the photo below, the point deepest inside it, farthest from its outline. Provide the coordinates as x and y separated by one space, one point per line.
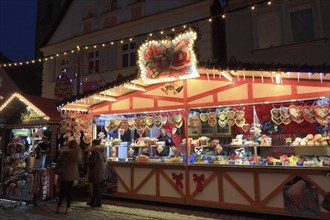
164 150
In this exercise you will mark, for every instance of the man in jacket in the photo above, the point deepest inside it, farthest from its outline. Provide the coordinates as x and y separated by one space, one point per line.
96 171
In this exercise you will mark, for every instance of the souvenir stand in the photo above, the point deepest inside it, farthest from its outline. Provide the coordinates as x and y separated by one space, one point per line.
244 139
29 145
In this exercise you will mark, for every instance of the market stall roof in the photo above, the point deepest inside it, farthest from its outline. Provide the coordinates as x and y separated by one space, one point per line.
7 86
43 107
238 72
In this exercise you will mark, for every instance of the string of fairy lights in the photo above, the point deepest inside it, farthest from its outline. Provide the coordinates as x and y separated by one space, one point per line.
155 34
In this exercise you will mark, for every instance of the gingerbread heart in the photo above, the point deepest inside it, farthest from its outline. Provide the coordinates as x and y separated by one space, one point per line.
178 125
137 122
308 111
130 121
310 120
246 127
212 115
177 118
140 131
174 129
222 123
322 120
222 116
298 120
143 120
295 111
321 110
276 113
284 111
239 115
286 120
212 122
158 120
194 121
231 114
277 121
149 121
203 117
118 121
240 122
164 120
112 123
231 122
170 119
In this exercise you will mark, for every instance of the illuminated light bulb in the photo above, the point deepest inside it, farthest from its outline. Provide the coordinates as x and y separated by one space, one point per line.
103 45
252 7
150 34
223 16
9 64
162 32
130 39
210 19
64 53
72 51
15 64
40 60
121 41
184 26
27 62
51 58
269 3
111 42
95 46
57 54
32 61
173 29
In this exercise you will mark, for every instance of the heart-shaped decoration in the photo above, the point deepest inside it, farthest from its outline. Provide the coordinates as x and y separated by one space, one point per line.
107 123
131 127
276 113
310 120
284 111
159 149
170 119
240 122
121 131
174 129
240 152
322 120
194 121
198 150
145 127
222 123
298 120
231 122
164 120
286 120
231 114
130 121
239 115
143 120
177 118
179 125
140 131
158 120
204 117
277 121
159 125
124 125
308 111
118 121
112 123
107 128
246 127
212 122
114 127
321 110
222 116
212 115
150 121
295 111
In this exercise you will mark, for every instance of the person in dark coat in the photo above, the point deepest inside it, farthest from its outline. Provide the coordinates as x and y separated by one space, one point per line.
96 171
164 150
70 158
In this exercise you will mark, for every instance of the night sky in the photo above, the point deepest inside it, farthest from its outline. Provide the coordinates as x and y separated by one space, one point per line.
17 29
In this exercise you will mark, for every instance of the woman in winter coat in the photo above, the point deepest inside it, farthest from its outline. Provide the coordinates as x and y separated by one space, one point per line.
71 159
96 171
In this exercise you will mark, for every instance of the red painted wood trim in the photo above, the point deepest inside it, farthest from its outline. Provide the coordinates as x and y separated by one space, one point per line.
250 91
169 180
145 179
239 188
165 98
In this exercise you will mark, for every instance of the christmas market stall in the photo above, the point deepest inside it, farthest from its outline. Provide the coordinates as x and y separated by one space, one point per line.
250 137
29 140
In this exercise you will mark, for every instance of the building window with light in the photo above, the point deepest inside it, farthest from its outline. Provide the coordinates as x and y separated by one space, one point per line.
64 65
93 62
128 54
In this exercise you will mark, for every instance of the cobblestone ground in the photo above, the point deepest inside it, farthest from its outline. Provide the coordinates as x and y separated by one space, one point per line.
122 210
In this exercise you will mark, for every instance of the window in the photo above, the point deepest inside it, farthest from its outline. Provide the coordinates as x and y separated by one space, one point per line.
269 29
93 62
128 54
64 65
302 25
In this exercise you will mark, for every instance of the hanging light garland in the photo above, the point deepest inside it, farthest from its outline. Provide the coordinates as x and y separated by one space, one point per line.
156 33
